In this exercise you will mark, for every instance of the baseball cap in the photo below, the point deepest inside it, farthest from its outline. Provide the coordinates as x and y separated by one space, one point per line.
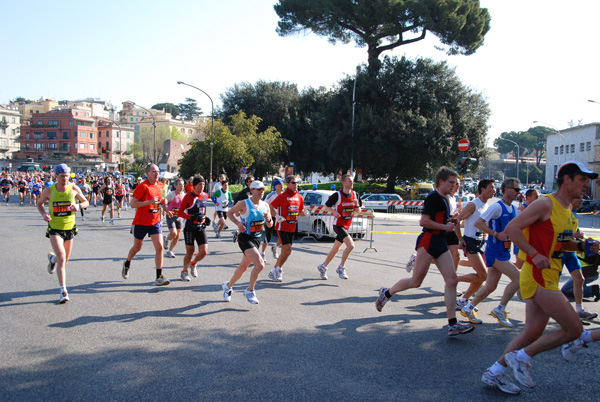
62 168
575 167
276 182
257 184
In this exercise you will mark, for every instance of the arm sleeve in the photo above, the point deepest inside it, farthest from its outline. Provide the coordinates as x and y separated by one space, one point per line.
184 204
333 198
493 212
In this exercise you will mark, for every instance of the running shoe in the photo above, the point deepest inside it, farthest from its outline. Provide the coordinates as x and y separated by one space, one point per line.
521 371
165 241
275 251
382 299
279 273
596 292
471 315
64 297
51 265
219 235
215 227
235 236
502 317
341 271
185 276
102 219
125 271
226 291
250 295
585 315
500 381
459 328
119 215
568 350
461 304
273 275
111 222
193 270
83 218
323 271
262 255
161 281
411 263
170 254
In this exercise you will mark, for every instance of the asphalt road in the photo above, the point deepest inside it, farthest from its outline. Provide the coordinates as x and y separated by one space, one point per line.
307 340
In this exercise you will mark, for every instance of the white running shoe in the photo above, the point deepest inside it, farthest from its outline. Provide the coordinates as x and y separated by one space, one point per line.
102 219
193 270
521 370
502 317
323 271
185 276
568 350
64 297
262 255
501 381
219 235
111 222
471 315
275 251
170 254
461 304
125 271
165 241
341 271
411 262
273 275
51 265
226 291
279 273
161 281
250 295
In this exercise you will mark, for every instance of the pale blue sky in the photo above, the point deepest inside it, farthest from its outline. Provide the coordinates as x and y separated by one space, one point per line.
539 60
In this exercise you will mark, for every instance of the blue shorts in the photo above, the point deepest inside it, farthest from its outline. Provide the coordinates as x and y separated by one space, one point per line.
571 261
435 245
140 231
492 255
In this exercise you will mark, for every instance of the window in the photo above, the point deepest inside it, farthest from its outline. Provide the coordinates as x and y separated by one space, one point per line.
107 145
37 145
555 150
567 149
131 119
91 146
14 120
572 148
82 146
65 135
555 170
66 147
39 123
108 133
53 123
581 147
91 135
117 134
588 146
128 135
99 145
82 134
562 149
52 146
70 122
51 135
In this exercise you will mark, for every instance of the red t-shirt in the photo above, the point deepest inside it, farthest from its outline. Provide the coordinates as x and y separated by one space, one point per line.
150 214
288 204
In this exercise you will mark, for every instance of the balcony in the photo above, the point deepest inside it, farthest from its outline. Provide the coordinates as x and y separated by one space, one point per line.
44 125
3 123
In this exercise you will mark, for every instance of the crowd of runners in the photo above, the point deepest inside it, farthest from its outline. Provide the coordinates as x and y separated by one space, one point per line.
541 237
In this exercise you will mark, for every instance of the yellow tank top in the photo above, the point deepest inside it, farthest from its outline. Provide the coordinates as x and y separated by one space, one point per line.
551 237
62 217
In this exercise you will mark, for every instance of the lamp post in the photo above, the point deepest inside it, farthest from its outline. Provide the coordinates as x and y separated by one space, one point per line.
353 108
212 121
153 127
518 153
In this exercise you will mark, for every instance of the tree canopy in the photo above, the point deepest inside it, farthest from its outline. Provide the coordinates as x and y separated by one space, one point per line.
532 141
381 25
168 107
189 109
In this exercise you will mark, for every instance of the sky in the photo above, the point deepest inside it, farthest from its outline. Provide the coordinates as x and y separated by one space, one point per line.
537 63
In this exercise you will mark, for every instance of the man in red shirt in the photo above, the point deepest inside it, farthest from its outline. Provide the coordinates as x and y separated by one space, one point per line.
147 198
286 207
341 205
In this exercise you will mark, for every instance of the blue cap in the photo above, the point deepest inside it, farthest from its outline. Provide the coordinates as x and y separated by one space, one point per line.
62 168
276 182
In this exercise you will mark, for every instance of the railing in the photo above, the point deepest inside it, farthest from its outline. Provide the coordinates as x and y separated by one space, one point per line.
44 125
408 207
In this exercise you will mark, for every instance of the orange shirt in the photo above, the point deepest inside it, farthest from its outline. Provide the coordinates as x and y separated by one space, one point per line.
150 214
189 188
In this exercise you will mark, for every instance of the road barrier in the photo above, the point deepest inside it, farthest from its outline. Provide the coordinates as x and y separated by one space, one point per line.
407 207
321 225
595 214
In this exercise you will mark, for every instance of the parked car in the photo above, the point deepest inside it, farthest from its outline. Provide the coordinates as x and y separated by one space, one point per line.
588 206
379 202
322 226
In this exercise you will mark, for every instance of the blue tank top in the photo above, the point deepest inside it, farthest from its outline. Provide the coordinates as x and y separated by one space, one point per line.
254 218
498 225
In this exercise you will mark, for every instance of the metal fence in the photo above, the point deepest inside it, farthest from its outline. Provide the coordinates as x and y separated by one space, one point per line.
405 207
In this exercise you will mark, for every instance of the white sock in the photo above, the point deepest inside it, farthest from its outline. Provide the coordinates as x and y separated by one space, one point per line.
497 369
63 289
579 308
501 307
522 356
462 300
469 307
586 337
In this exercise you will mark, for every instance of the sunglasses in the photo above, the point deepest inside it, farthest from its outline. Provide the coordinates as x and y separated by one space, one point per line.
517 189
293 182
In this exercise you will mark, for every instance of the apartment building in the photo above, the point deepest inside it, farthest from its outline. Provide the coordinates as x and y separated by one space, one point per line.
10 129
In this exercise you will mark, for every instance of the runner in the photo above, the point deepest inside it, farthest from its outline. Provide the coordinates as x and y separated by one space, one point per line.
255 214
119 194
95 189
286 207
432 244
497 254
217 186
451 237
146 198
242 195
193 210
126 199
341 205
222 199
276 189
6 183
473 240
543 232
61 198
174 199
530 196
85 190
106 191
22 185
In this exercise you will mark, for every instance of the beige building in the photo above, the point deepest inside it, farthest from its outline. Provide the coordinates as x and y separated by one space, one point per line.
10 131
28 110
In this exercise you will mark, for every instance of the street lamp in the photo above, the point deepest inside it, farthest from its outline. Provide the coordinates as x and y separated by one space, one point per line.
289 143
518 152
353 108
212 121
153 127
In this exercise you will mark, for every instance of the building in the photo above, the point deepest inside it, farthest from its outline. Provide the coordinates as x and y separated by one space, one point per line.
115 142
28 110
10 131
172 154
579 143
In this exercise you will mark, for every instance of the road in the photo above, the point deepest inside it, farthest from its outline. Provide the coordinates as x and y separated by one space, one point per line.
307 340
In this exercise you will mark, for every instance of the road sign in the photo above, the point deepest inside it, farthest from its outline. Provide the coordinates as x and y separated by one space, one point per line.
463 144
243 170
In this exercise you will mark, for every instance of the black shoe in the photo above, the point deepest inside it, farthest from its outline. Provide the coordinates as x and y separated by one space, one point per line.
596 292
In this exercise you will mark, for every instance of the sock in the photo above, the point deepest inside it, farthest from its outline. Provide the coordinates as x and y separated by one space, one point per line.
469 307
127 263
497 369
501 307
579 308
462 300
586 336
388 294
63 289
158 273
451 321
522 356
